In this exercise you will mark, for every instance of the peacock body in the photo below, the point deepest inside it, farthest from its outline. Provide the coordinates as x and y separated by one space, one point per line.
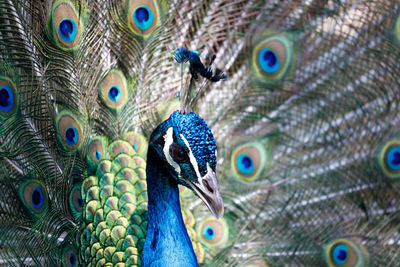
301 98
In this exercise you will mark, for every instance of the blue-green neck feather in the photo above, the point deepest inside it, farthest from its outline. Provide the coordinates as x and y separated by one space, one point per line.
167 242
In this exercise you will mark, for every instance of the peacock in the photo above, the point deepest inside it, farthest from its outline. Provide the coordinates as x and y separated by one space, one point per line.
199 133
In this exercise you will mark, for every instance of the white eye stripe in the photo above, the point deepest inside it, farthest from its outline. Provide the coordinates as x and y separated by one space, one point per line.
191 157
168 138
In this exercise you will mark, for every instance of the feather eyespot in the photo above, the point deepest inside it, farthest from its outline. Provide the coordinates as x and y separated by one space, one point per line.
8 98
66 25
168 108
71 136
143 16
390 159
339 254
248 161
137 141
69 130
34 196
178 154
70 257
272 57
96 150
37 198
268 60
67 30
114 90
213 232
76 202
114 94
208 232
345 252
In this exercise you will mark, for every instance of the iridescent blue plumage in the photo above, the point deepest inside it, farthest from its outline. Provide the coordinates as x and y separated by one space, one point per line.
181 150
199 136
339 254
208 232
68 30
143 17
6 98
114 94
37 198
183 54
393 156
71 135
268 61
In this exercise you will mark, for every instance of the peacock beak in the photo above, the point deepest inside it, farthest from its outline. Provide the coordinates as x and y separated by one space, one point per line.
208 190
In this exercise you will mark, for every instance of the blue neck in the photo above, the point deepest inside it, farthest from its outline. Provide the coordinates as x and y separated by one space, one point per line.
167 242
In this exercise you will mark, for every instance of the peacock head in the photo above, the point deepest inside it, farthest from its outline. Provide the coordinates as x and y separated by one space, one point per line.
187 148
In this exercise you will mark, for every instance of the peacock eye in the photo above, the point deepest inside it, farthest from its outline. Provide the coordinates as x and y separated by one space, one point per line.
272 57
67 30
144 16
339 254
66 25
213 232
178 154
345 252
8 98
70 257
69 130
114 90
76 202
34 196
389 158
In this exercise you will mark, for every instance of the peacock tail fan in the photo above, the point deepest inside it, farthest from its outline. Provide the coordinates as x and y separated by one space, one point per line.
301 97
